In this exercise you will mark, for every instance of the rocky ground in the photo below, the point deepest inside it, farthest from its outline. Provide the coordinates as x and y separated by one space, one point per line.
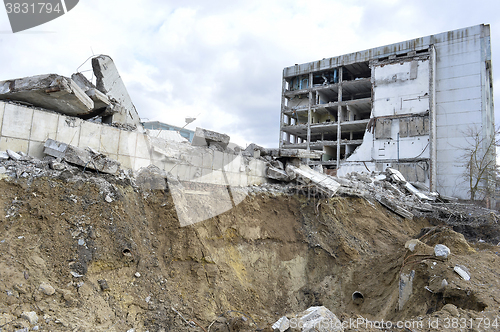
81 251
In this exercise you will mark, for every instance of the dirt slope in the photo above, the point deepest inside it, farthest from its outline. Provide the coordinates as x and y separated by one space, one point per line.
117 260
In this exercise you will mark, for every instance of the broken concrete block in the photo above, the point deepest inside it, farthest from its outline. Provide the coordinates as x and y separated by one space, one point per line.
416 192
4 155
13 155
203 137
440 250
56 165
322 181
53 92
281 324
414 244
277 174
395 175
296 153
405 288
85 158
462 271
110 83
100 100
54 148
82 81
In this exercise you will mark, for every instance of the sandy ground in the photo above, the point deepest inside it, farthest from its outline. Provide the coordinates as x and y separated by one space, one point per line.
87 252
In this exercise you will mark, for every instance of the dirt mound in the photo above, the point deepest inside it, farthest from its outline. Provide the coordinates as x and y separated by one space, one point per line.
87 252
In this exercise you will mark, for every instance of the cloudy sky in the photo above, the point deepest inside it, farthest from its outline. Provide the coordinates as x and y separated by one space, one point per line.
221 61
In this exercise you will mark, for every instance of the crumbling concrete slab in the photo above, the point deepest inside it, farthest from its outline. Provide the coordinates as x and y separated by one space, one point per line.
277 174
405 288
395 208
100 100
203 137
295 153
322 181
54 92
110 83
86 158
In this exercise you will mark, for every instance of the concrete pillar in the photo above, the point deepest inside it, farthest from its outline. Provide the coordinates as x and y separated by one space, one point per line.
282 113
339 116
432 119
309 113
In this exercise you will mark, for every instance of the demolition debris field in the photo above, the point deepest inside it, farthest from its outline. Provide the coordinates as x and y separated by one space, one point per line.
84 251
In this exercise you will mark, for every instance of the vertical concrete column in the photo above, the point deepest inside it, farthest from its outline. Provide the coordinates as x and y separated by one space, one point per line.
432 119
283 105
487 113
339 115
309 114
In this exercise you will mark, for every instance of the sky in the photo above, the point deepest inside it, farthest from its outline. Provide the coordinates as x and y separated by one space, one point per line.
222 61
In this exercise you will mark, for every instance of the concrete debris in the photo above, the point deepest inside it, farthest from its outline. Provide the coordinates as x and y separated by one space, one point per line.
281 325
54 92
47 289
391 205
405 288
86 158
4 155
324 182
317 319
395 175
30 316
255 151
414 244
203 137
462 271
295 153
110 83
13 155
440 250
277 174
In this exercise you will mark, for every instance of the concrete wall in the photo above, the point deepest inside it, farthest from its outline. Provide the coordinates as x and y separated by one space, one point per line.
459 100
26 129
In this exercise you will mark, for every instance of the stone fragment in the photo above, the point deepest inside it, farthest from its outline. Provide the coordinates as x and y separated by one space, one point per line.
405 288
451 309
281 324
204 137
276 174
86 158
13 155
47 289
4 155
137 275
30 316
440 250
462 271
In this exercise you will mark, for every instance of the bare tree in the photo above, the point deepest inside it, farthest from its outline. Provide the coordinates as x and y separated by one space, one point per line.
480 163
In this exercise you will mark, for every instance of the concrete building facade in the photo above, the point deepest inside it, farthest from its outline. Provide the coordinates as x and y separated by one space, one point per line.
407 105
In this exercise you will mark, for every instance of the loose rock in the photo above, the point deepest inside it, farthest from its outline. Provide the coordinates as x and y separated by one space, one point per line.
47 289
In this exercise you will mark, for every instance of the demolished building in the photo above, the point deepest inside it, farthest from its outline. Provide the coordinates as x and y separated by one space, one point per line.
97 127
405 105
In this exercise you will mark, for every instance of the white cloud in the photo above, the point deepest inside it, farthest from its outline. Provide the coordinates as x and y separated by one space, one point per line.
223 60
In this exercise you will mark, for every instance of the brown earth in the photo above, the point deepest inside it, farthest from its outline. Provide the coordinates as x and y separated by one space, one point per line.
125 262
